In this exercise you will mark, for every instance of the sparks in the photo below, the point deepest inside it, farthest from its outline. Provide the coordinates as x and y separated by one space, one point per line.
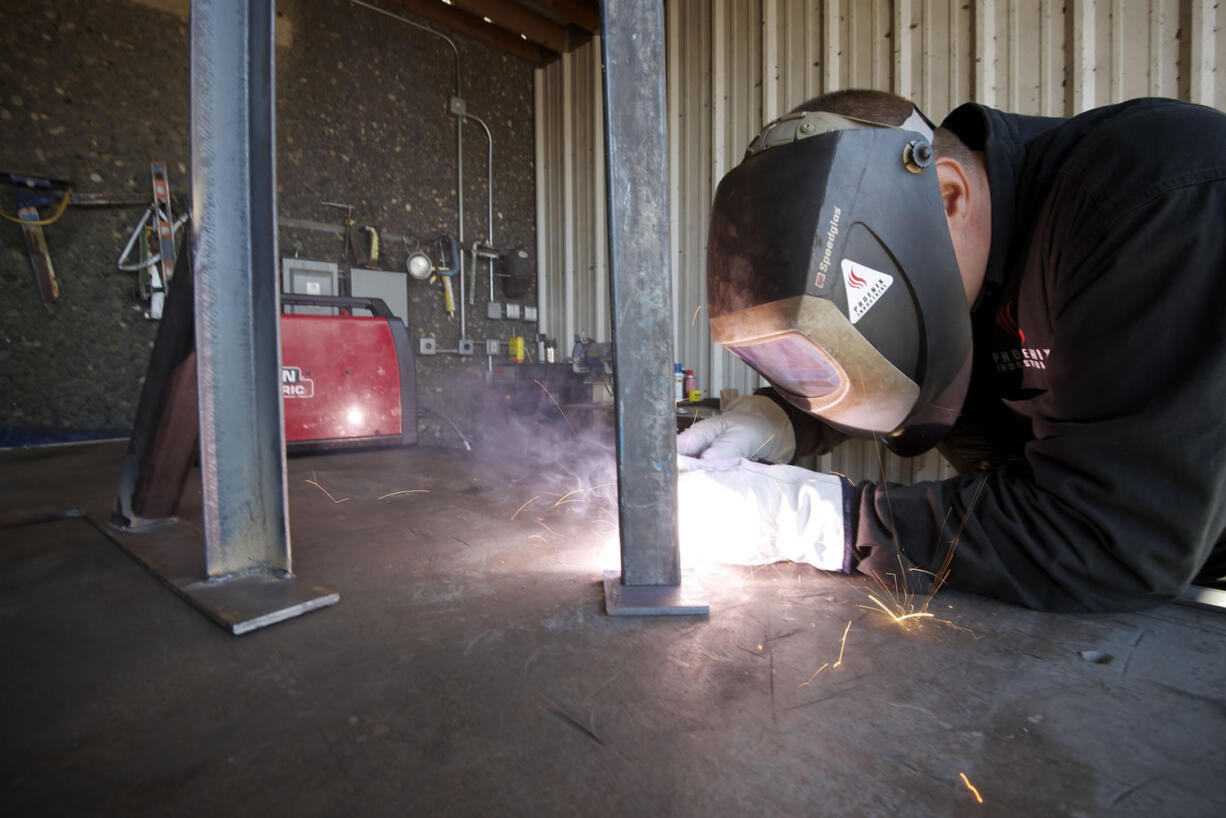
555 403
541 523
565 497
403 491
971 787
843 644
315 483
764 442
814 676
899 618
697 310
525 505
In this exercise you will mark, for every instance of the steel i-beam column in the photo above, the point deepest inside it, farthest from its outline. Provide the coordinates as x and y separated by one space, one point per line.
637 190
234 246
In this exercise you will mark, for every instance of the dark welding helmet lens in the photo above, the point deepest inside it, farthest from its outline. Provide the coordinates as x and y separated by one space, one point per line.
792 362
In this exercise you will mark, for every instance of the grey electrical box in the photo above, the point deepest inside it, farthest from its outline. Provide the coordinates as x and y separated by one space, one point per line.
513 312
529 313
393 288
466 346
492 346
456 106
493 311
304 277
426 346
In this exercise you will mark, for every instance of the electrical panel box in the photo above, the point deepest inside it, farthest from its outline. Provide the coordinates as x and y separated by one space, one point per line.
305 277
392 288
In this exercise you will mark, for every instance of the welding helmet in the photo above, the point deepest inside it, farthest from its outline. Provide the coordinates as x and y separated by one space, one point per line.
831 272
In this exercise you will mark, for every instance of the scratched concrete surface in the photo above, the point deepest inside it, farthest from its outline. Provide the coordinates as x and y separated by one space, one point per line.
469 669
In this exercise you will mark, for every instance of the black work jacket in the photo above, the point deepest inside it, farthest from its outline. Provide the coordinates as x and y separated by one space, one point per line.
1096 415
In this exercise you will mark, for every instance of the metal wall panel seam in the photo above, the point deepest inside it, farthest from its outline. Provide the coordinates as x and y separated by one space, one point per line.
543 226
1200 72
719 117
958 56
903 70
883 43
811 55
927 55
568 200
601 236
1083 56
1116 80
984 87
1047 61
1013 75
831 46
769 28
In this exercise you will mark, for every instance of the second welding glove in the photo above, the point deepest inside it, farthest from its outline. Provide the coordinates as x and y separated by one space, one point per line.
753 427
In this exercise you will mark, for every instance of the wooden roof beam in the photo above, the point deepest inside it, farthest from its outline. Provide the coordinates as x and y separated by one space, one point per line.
470 25
583 13
519 20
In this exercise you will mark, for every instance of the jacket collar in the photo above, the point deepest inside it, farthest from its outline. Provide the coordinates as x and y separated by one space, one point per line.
1002 138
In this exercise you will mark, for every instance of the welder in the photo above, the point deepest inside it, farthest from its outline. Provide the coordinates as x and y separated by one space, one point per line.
1040 298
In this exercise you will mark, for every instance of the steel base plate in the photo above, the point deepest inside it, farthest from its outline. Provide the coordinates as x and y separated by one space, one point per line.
651 600
245 602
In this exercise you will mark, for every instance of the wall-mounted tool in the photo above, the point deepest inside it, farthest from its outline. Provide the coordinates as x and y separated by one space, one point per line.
373 258
32 193
437 258
353 252
155 266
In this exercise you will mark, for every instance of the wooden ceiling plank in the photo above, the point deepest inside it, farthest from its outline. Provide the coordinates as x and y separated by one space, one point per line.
583 13
470 25
518 19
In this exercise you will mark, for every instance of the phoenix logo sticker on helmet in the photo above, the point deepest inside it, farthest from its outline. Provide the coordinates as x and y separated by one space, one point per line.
865 286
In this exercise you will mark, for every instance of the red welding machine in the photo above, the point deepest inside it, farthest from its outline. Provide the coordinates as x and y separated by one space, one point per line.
346 380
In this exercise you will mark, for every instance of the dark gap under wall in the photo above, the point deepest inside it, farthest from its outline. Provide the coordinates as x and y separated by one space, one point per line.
93 90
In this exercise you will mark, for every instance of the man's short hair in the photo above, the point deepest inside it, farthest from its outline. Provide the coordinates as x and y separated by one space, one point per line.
887 109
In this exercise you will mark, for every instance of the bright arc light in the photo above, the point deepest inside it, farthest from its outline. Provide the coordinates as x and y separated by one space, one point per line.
355 416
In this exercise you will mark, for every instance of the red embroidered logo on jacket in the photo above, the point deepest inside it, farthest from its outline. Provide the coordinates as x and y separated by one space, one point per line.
1021 356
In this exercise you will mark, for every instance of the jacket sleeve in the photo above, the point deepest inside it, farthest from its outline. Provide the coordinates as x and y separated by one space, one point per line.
1121 495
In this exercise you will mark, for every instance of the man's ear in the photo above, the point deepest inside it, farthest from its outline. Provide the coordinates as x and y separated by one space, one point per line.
956 192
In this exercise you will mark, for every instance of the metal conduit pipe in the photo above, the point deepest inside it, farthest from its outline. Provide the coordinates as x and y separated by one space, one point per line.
459 146
489 187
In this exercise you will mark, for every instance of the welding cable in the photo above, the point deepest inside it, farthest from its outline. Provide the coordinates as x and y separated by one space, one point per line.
52 219
423 411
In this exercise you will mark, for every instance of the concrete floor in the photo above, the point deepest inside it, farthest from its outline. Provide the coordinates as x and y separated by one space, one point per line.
470 669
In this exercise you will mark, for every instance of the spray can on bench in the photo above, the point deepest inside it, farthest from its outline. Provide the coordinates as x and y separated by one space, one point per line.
678 383
691 387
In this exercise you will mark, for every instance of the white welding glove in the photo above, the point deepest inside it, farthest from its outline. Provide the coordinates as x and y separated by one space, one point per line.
747 513
753 426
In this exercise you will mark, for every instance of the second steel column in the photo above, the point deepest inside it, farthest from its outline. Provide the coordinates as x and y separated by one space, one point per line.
637 167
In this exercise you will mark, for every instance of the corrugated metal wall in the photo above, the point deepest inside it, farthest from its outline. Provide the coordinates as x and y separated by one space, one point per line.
734 65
